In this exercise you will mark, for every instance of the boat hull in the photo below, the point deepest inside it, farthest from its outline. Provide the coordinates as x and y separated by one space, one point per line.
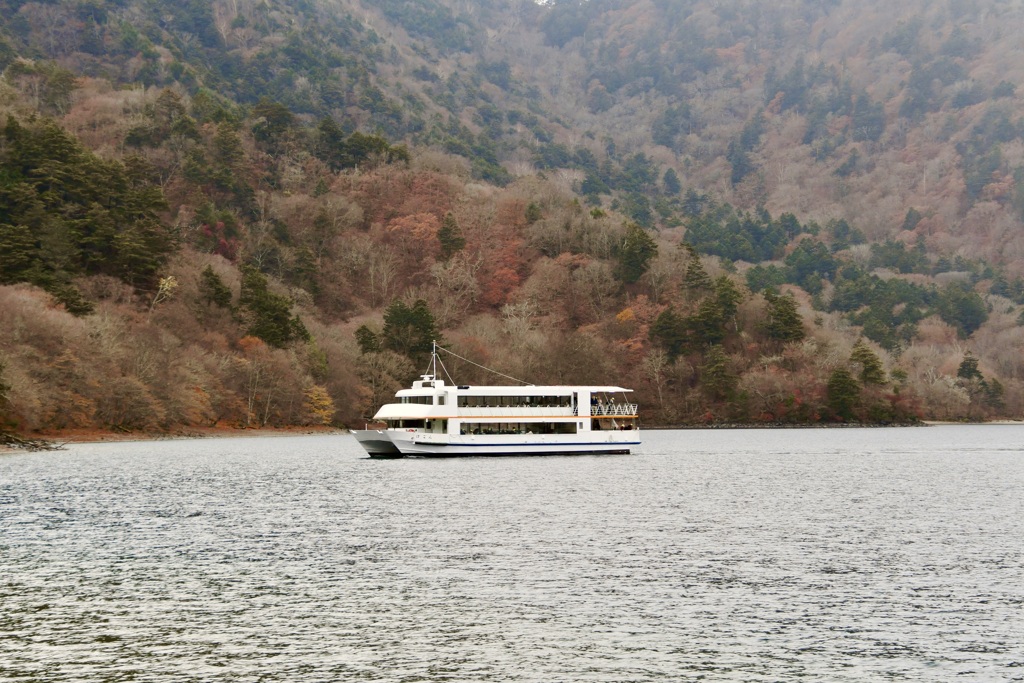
397 443
377 443
499 451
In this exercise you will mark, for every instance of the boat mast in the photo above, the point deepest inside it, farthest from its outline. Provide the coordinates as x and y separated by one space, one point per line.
433 357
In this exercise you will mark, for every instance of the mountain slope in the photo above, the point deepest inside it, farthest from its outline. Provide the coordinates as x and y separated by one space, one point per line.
711 202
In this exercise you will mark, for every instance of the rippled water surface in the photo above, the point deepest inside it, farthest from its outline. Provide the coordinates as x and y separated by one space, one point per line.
749 555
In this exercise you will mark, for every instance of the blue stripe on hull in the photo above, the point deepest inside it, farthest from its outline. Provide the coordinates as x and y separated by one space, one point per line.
506 454
528 445
505 449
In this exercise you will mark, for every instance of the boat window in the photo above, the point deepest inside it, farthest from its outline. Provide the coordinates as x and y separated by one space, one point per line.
506 428
560 401
606 425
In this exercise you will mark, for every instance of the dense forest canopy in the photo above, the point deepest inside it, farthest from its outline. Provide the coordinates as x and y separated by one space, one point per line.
261 213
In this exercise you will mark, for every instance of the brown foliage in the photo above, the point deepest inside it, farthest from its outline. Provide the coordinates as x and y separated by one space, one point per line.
387 193
372 237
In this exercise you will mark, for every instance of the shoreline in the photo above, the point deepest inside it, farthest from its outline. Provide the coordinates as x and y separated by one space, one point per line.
801 425
837 425
939 423
101 436
55 440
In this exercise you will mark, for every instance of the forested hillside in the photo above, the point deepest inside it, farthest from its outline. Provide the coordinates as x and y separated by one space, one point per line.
246 213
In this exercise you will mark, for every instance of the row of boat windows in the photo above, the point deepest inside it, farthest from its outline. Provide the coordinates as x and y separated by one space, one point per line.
496 401
490 427
517 428
612 425
411 424
515 401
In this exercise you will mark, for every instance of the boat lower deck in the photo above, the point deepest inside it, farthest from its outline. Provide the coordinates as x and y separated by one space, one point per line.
396 443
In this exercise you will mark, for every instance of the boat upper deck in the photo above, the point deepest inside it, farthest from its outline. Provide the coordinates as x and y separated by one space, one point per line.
429 386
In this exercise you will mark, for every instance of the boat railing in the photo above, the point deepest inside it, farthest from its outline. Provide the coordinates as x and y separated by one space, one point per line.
614 409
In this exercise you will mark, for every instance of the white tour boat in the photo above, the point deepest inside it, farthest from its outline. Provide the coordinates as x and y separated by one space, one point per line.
439 419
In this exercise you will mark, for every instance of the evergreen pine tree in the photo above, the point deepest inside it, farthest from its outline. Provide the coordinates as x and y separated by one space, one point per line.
69 296
728 297
636 251
670 181
450 237
669 332
330 145
268 315
693 203
994 394
707 325
410 330
843 393
213 290
740 162
715 376
911 219
784 323
368 340
66 212
871 368
273 120
968 369
229 154
19 252
696 278
962 307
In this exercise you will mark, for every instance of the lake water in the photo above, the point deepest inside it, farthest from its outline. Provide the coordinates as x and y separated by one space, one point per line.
732 555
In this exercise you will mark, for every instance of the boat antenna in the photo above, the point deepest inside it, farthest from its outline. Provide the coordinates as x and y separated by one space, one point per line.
491 370
435 360
432 363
